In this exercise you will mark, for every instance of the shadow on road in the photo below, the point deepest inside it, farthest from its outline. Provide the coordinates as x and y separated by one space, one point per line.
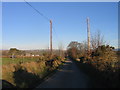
100 79
68 76
67 67
6 84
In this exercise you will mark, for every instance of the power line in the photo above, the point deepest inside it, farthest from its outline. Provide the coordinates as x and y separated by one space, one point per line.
37 11
56 34
51 27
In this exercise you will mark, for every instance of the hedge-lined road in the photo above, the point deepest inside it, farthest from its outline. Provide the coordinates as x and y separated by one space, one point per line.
69 76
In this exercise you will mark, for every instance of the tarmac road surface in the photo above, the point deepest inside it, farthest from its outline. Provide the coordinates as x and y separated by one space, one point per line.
69 76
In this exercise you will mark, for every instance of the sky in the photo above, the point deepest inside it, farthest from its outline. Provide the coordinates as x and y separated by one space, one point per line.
24 28
62 0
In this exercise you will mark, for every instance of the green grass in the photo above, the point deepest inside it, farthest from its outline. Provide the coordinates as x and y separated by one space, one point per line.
6 61
27 75
0 61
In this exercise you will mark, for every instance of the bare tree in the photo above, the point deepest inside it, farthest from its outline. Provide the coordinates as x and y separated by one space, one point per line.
97 40
84 47
76 49
61 52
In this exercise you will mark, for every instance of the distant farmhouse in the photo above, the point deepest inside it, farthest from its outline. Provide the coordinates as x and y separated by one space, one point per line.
30 54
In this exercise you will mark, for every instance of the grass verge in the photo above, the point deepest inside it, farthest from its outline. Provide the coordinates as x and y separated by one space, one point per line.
27 75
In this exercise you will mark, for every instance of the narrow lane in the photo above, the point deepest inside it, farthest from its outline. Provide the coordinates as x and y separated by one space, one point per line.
69 76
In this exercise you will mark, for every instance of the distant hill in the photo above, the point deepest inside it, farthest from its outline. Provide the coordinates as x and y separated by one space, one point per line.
33 52
117 49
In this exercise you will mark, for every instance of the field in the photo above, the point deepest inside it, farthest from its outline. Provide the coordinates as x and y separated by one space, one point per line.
0 61
6 61
27 74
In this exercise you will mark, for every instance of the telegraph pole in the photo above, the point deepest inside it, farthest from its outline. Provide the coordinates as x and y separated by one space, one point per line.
88 34
51 37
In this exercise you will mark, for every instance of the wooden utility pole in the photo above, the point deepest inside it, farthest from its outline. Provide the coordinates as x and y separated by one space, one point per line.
51 37
88 34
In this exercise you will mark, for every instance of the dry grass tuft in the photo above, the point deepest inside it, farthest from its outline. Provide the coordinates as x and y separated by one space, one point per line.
24 74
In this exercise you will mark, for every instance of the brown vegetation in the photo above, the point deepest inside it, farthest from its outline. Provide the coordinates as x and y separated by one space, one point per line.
28 74
101 65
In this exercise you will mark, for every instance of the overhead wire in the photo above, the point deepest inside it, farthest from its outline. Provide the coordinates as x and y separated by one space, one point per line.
45 17
37 11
